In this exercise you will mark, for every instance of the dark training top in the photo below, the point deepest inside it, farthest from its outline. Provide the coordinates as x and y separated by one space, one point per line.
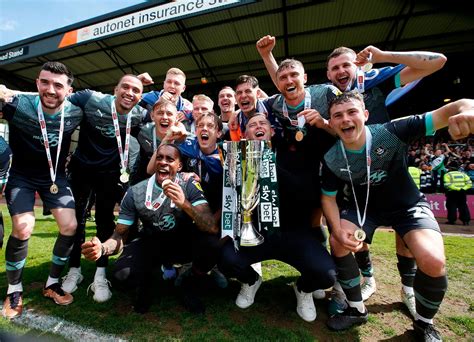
26 140
165 220
391 186
97 148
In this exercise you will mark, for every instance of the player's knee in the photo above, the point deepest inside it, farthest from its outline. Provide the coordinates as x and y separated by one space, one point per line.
22 234
434 265
22 231
68 228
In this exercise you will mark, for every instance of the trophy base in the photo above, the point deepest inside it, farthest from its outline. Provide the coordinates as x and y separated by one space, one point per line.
257 240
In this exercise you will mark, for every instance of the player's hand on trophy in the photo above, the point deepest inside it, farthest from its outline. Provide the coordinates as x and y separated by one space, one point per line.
92 250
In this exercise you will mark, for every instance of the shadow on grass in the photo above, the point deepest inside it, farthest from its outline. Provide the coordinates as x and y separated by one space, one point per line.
408 335
271 317
377 308
44 235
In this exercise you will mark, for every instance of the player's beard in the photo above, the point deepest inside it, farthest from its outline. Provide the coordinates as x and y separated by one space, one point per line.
54 103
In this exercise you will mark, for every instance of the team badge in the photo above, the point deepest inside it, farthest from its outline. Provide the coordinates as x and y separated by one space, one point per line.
379 151
197 185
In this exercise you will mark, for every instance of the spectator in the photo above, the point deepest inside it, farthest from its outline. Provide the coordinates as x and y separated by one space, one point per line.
470 173
456 184
426 179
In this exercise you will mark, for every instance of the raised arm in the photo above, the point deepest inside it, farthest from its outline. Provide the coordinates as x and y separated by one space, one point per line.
461 125
445 115
6 94
418 63
265 46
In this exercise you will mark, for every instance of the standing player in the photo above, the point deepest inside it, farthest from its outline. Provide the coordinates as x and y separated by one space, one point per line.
40 133
371 160
5 160
101 164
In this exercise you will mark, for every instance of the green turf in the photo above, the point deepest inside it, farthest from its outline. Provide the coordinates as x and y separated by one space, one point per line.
271 318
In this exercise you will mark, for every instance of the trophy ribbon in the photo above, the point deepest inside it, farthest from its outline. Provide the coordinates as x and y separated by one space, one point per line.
251 159
230 192
52 171
250 182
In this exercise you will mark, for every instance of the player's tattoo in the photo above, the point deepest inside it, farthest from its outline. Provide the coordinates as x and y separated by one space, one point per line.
204 219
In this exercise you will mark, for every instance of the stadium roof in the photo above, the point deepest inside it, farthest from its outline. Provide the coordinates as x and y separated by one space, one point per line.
216 39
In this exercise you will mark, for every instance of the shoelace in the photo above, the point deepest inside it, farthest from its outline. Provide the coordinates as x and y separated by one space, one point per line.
14 299
71 276
99 283
103 283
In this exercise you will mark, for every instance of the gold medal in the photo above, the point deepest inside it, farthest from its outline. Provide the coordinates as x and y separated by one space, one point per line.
53 189
359 235
299 136
367 67
124 177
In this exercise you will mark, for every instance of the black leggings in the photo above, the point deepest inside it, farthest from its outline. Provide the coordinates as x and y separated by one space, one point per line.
300 249
142 255
107 194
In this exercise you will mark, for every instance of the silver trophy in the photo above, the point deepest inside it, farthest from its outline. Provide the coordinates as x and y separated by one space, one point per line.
250 166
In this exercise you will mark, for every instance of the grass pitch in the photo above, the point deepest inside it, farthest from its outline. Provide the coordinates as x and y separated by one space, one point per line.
271 318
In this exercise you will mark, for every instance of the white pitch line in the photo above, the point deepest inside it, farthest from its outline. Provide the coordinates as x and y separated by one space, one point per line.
55 325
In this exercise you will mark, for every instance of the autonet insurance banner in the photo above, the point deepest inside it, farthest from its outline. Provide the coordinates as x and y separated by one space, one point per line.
156 15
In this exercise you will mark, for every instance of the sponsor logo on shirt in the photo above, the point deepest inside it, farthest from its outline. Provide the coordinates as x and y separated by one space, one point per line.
107 131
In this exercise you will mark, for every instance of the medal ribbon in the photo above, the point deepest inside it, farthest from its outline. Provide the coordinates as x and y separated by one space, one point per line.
307 105
154 138
360 80
157 202
44 133
123 153
368 145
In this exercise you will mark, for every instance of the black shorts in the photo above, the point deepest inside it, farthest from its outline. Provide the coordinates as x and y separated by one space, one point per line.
20 193
419 216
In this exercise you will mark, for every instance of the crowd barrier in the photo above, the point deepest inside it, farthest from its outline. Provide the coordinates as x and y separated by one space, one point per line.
438 204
